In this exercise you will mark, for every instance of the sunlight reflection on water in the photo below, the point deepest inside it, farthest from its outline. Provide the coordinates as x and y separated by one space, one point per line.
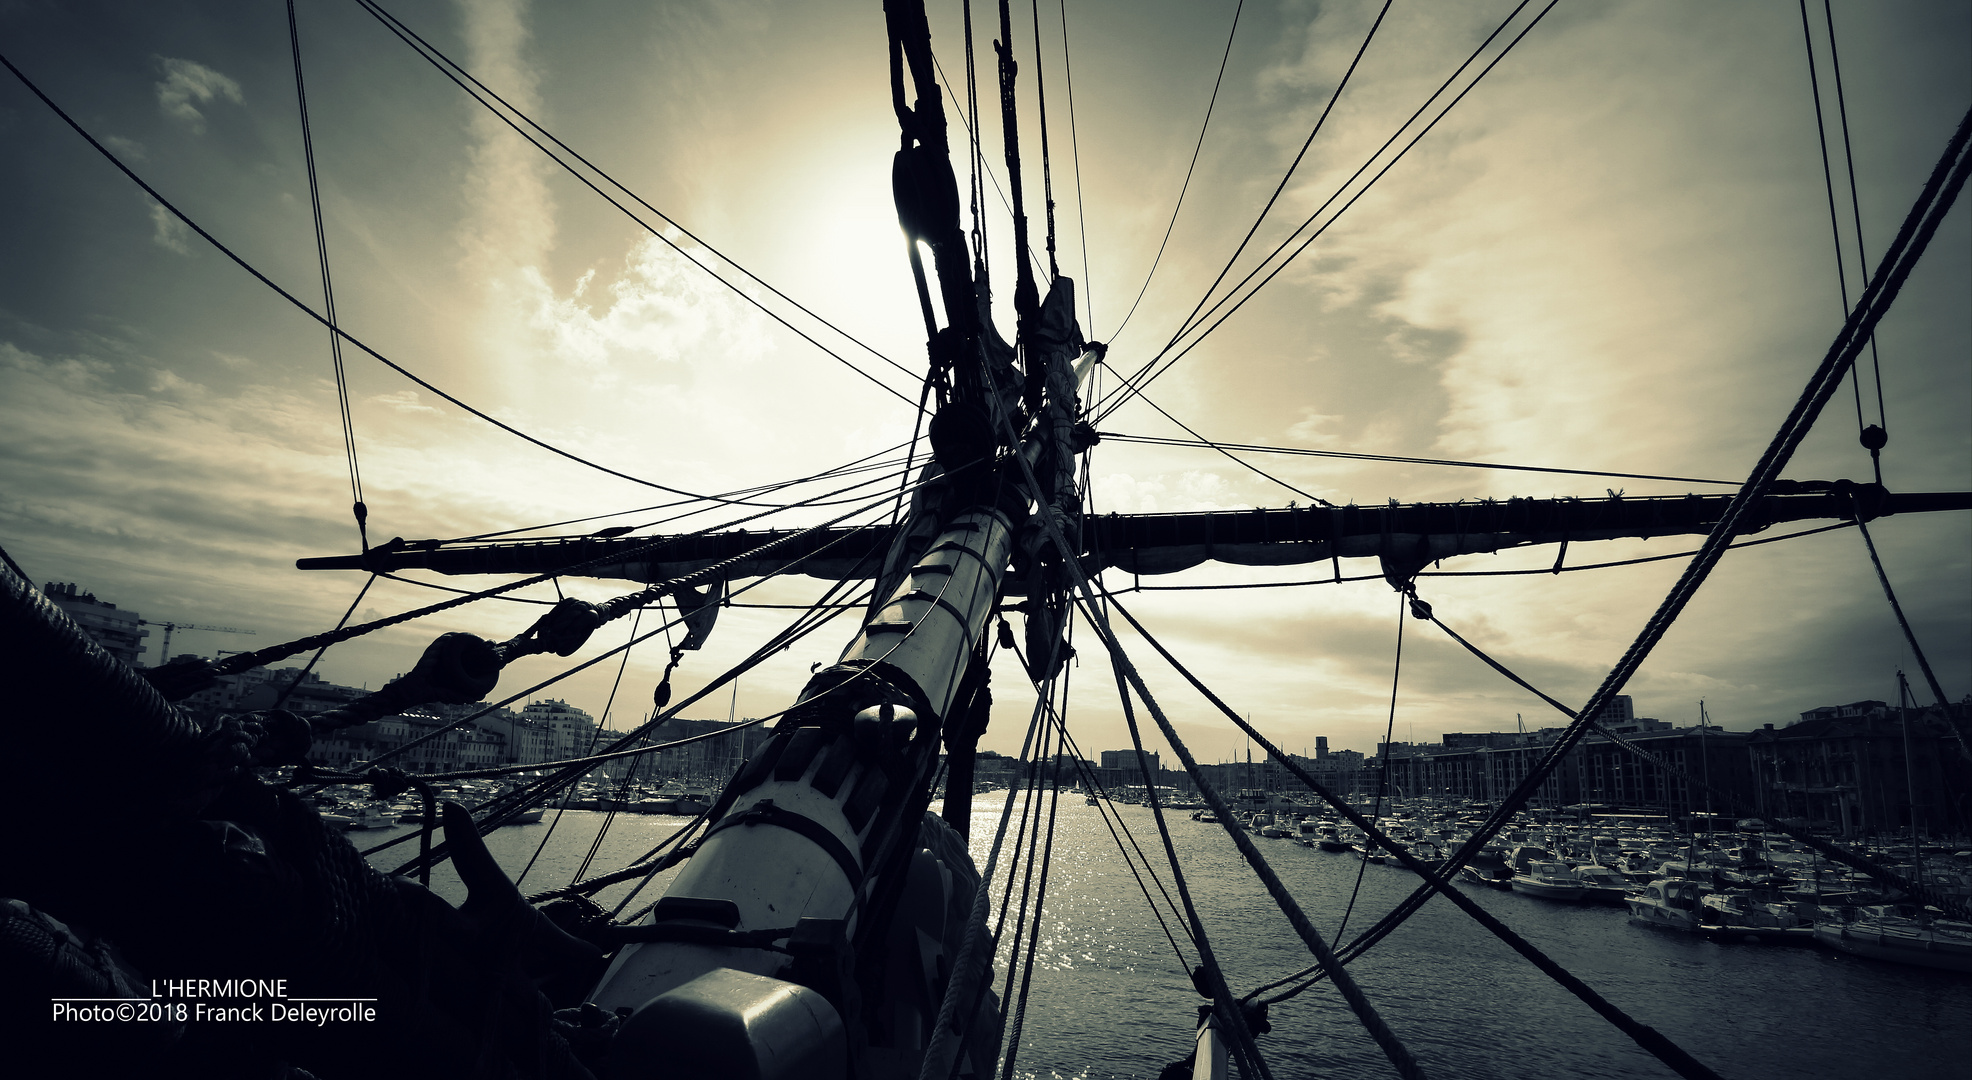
1110 1001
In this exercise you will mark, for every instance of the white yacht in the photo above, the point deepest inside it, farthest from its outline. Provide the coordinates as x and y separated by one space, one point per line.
1668 902
1549 881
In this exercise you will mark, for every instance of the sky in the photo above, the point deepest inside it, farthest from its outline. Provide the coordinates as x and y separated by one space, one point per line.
1614 253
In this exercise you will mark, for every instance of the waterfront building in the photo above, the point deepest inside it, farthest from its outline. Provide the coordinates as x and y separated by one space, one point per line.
528 741
1127 759
1487 767
727 744
569 731
116 630
994 769
260 688
1852 769
1620 710
1683 763
457 749
1867 768
1475 770
1120 768
1340 771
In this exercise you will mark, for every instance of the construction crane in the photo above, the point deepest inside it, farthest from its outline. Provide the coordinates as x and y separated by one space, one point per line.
164 647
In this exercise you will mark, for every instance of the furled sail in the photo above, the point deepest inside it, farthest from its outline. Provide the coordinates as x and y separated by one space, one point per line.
1416 533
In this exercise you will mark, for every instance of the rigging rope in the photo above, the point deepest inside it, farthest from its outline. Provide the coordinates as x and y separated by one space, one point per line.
317 658
1111 819
1026 298
1648 1038
1075 147
1225 1007
1382 774
1367 1015
637 599
1910 636
1333 97
966 991
1855 206
595 736
983 266
299 305
1159 440
1386 1039
1947 179
244 661
1229 454
1828 185
1731 802
505 806
642 868
858 465
1121 394
1186 186
12 565
358 508
1030 822
975 151
1107 813
1047 173
446 66
660 697
596 884
1046 859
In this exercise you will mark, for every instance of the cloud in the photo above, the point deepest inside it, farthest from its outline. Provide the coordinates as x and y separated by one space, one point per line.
168 232
131 149
167 381
403 401
647 364
188 84
1313 427
512 223
660 309
1164 493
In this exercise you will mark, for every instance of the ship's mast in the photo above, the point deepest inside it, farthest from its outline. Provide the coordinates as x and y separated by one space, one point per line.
825 825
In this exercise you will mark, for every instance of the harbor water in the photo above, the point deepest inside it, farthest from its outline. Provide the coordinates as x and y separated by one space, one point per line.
1109 999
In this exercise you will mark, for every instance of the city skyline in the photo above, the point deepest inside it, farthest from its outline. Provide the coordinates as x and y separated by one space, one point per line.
1619 711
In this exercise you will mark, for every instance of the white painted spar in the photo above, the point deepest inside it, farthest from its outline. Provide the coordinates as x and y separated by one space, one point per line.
935 616
776 876
1208 1051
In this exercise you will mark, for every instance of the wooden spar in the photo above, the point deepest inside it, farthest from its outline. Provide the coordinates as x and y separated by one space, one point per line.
1162 543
